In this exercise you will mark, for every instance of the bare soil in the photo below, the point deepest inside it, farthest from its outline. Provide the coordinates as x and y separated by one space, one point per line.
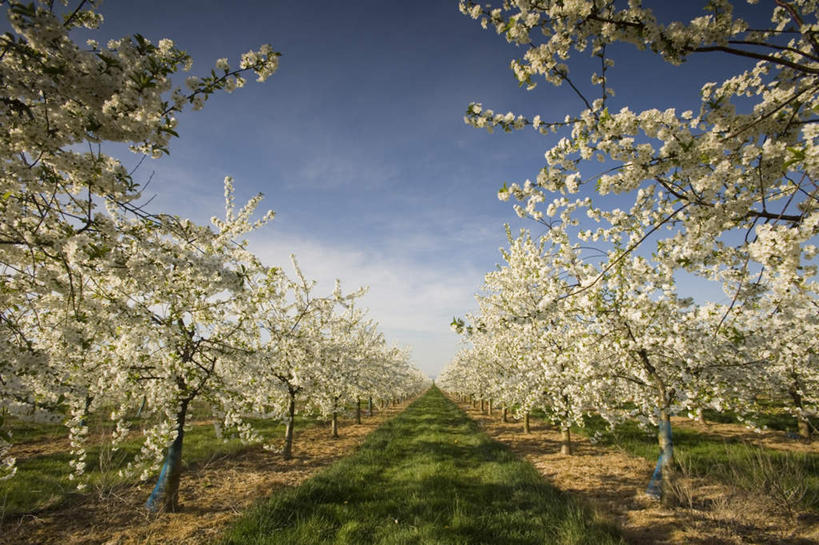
612 483
212 494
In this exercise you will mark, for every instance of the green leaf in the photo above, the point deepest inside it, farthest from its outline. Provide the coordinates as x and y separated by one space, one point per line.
26 10
798 156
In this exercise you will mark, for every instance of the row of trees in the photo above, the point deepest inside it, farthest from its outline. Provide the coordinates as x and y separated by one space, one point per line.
629 347
589 317
106 307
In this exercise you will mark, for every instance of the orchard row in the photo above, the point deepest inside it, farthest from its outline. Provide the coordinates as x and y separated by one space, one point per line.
604 312
107 307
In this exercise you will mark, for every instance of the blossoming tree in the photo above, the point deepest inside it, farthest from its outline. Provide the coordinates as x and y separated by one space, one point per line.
290 340
727 192
729 168
735 181
627 346
313 354
179 290
59 99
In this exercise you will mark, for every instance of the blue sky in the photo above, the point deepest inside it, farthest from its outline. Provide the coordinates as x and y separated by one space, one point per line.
359 145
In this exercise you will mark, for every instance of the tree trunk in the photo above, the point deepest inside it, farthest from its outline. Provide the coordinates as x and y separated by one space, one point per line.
88 401
504 415
660 483
370 406
287 451
659 487
142 406
526 428
474 402
165 496
565 441
803 425
489 407
335 425
358 410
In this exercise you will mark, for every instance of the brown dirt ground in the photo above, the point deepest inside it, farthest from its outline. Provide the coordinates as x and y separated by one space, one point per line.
212 495
612 483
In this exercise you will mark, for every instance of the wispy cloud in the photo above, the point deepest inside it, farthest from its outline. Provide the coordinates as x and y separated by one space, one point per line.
337 170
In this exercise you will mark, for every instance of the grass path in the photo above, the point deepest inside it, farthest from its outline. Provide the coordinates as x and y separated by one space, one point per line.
428 476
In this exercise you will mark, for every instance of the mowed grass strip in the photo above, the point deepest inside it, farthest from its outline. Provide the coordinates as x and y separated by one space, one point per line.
428 476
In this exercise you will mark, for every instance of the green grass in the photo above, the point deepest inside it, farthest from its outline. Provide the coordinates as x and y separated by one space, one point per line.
772 417
704 454
428 476
42 481
23 431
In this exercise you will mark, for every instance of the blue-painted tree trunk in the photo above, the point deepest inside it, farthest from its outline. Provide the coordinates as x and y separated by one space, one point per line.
659 484
165 496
